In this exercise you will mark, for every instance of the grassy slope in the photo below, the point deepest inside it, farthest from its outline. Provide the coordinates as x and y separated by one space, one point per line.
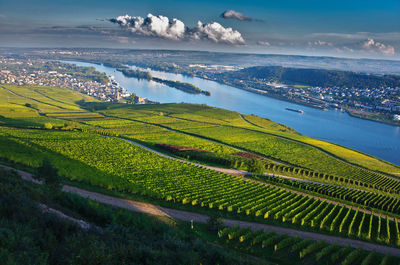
60 101
76 160
25 106
32 237
152 124
116 165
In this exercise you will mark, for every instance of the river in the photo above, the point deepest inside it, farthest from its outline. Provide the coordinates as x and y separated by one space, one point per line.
373 138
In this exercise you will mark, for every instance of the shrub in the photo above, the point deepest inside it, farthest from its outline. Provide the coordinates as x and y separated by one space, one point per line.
340 253
48 126
311 248
353 256
286 243
325 251
302 244
255 166
49 174
214 222
369 259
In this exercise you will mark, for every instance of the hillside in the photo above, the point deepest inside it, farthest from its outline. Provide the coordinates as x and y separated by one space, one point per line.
315 77
114 236
198 159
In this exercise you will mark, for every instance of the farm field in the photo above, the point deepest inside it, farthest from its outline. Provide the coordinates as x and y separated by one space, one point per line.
200 120
275 147
117 165
198 126
26 106
214 116
81 138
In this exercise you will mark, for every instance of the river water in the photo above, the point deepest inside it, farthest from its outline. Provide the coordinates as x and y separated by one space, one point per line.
377 139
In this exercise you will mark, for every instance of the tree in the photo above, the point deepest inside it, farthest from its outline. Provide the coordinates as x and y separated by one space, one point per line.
214 222
255 166
132 98
49 174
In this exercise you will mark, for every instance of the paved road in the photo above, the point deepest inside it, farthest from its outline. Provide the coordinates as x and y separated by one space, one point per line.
180 215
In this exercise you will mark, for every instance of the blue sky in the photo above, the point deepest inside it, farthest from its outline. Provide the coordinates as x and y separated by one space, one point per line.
351 28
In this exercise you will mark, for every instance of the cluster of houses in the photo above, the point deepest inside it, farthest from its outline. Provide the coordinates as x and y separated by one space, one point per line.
19 73
385 100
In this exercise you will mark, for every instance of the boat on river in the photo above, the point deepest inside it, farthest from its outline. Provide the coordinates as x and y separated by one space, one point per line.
295 110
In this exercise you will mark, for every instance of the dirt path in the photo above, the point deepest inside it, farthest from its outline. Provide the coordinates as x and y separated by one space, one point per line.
235 172
82 224
186 216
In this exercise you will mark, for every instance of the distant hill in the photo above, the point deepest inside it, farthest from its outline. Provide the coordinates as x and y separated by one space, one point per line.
315 77
170 58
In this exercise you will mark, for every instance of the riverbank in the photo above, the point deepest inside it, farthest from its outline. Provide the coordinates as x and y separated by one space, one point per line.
352 112
370 116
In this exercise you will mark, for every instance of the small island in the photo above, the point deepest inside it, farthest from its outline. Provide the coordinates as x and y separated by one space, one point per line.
186 87
183 86
136 74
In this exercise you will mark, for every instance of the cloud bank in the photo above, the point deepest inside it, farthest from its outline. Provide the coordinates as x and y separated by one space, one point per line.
383 44
377 47
235 15
175 29
263 43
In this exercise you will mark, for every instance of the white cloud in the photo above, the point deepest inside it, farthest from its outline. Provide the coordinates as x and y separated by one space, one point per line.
235 15
122 39
175 29
217 33
319 43
155 26
357 35
371 45
263 43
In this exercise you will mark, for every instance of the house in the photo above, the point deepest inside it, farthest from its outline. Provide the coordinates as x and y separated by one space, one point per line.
140 100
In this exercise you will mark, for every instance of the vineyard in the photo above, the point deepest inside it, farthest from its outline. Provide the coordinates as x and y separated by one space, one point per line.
117 165
364 198
278 148
303 250
33 106
390 185
195 126
296 154
321 188
155 135
347 154
201 114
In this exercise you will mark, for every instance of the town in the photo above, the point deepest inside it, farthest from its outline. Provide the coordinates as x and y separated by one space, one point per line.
58 74
376 103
